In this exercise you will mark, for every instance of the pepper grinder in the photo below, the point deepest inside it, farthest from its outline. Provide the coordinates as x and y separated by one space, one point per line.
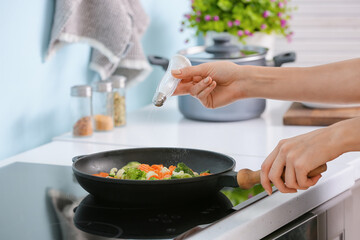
168 83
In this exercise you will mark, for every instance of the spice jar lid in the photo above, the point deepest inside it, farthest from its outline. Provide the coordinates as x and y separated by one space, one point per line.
118 81
80 91
103 86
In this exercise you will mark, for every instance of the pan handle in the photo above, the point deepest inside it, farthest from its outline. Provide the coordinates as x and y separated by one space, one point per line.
284 58
74 159
247 178
228 179
160 61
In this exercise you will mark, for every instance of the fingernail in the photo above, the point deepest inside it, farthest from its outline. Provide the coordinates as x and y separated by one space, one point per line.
176 71
206 80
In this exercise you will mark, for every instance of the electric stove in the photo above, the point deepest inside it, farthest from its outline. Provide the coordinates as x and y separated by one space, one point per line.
40 201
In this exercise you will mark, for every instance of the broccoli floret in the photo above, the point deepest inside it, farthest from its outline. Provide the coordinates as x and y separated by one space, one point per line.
134 174
131 165
184 168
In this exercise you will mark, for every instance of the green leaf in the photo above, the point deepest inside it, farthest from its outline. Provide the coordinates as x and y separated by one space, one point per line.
225 5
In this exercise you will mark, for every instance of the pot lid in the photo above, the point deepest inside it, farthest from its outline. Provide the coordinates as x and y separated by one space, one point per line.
224 50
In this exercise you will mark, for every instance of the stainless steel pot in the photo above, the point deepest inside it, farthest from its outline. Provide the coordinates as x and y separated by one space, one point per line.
244 109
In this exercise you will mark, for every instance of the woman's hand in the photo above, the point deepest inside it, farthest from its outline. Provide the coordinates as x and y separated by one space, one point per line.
215 84
301 154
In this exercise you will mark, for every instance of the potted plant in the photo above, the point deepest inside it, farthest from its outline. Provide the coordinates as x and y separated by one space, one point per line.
244 20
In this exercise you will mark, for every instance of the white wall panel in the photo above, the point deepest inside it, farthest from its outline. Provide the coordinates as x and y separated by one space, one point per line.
325 31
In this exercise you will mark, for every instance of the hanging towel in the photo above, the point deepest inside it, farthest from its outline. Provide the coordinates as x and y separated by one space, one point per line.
113 28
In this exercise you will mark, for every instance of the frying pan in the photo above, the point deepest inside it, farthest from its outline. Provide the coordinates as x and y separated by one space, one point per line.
159 192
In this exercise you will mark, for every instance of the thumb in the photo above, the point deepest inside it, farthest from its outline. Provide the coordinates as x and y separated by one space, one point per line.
190 72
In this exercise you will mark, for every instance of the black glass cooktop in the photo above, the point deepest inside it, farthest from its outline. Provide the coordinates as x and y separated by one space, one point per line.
41 201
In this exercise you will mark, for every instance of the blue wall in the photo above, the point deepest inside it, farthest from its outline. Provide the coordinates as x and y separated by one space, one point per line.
34 96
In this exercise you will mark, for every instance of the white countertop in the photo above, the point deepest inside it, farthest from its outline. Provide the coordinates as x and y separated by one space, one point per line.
166 127
248 142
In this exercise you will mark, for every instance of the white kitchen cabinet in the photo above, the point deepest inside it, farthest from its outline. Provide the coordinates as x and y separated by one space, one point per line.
336 219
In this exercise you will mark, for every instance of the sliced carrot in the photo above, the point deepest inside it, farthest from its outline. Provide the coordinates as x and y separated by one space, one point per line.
154 176
204 174
167 176
145 167
157 166
103 174
172 168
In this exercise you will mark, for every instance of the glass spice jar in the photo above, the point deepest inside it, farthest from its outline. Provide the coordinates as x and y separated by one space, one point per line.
103 106
81 111
118 84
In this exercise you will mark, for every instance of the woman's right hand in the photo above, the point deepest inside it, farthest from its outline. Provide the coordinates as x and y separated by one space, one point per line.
215 84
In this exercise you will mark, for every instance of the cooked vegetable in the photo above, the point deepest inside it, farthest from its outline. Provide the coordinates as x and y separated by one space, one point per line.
134 174
113 172
138 171
184 168
131 165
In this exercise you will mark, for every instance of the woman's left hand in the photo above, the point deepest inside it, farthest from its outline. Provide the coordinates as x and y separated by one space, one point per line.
299 155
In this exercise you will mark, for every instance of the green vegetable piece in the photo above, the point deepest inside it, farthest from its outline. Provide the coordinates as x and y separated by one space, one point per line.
134 174
131 165
113 172
152 178
183 167
207 171
179 175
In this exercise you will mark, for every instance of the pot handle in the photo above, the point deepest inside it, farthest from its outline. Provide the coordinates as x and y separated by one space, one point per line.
160 61
284 58
74 159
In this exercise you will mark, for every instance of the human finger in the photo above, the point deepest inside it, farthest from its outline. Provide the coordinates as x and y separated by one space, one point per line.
190 72
265 168
290 177
183 88
193 80
185 85
303 180
200 86
203 95
275 173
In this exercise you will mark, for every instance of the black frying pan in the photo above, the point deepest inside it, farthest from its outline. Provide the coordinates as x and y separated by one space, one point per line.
146 192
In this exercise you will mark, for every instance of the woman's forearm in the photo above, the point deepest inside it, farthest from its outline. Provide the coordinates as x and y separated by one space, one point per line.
345 135
332 83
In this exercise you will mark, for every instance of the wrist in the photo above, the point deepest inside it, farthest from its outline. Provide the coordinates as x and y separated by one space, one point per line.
258 81
346 135
245 84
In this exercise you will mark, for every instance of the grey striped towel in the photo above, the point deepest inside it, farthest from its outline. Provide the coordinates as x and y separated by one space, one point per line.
113 29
